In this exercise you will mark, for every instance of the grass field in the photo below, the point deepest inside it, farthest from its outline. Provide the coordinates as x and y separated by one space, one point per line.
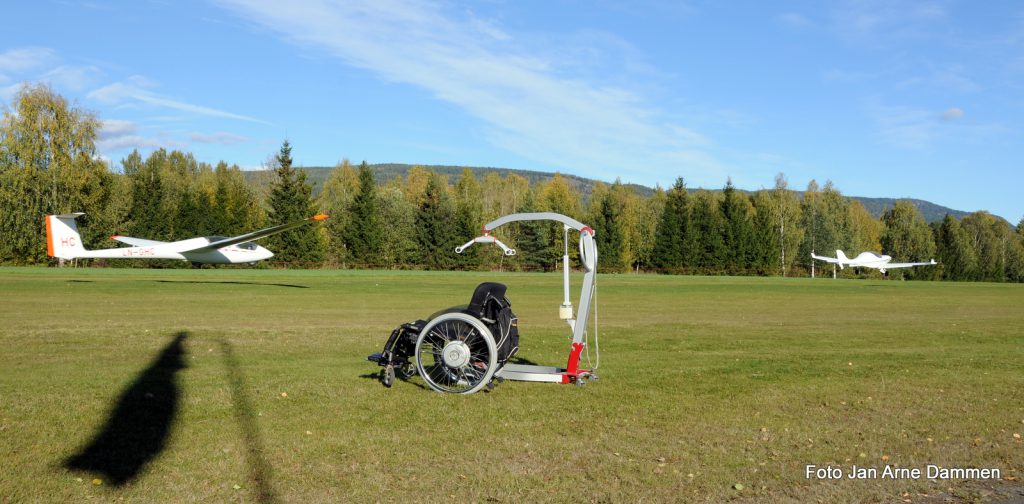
252 386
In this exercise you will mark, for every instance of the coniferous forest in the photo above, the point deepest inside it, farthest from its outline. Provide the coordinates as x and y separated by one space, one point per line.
49 164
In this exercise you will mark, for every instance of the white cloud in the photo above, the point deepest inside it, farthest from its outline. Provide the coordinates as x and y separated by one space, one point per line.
948 78
793 20
880 22
842 76
529 106
132 93
75 78
122 135
923 129
113 128
952 114
25 59
905 127
133 142
220 137
7 92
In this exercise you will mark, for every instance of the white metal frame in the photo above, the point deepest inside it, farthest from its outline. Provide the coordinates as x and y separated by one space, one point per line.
588 258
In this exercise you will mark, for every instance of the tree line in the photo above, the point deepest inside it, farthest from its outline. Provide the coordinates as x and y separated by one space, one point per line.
49 164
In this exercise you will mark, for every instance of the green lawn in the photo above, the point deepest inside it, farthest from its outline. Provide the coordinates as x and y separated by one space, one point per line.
706 385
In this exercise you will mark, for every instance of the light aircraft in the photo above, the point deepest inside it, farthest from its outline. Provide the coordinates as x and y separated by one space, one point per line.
868 260
64 242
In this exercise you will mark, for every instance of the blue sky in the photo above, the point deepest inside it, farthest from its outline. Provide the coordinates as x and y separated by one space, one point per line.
885 98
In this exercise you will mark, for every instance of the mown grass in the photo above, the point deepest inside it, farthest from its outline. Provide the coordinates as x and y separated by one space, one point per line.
705 383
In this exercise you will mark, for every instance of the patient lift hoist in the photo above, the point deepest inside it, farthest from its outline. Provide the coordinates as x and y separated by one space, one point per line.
466 348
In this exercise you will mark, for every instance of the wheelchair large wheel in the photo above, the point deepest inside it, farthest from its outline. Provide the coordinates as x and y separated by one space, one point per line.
455 353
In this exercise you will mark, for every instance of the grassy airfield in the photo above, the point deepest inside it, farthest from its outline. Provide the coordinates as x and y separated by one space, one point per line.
252 386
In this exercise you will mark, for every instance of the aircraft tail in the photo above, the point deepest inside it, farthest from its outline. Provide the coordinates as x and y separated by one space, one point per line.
842 258
62 238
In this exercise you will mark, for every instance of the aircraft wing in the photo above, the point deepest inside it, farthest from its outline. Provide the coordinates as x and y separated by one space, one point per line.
832 260
255 235
907 265
136 242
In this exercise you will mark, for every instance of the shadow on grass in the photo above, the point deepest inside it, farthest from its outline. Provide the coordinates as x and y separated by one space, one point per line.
259 468
234 282
375 376
138 426
522 360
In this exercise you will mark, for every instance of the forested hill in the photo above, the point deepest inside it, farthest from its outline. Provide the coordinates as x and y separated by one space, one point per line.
387 171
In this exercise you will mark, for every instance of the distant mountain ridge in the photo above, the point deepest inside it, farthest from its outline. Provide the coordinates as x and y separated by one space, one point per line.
384 172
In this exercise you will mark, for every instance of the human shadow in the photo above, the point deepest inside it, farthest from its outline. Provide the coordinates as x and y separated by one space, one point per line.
259 468
234 282
140 422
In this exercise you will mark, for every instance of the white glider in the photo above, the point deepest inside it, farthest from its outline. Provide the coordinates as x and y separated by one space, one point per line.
869 260
64 242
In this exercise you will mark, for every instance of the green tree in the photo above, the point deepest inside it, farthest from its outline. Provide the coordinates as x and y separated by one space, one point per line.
558 195
607 224
398 236
48 165
705 243
436 229
669 253
767 253
737 229
238 208
640 222
415 186
956 256
469 210
907 237
825 220
533 240
865 233
363 238
777 229
147 214
1015 254
865 230
503 195
190 219
987 234
291 200
335 199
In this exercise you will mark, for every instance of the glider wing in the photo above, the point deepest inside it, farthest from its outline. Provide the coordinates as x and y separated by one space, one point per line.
255 235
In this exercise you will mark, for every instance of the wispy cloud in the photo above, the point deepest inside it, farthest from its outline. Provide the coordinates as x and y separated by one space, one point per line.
953 113
951 77
793 20
42 64
75 78
843 76
905 127
139 142
879 22
24 59
7 94
120 135
531 105
112 128
220 137
920 129
132 92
